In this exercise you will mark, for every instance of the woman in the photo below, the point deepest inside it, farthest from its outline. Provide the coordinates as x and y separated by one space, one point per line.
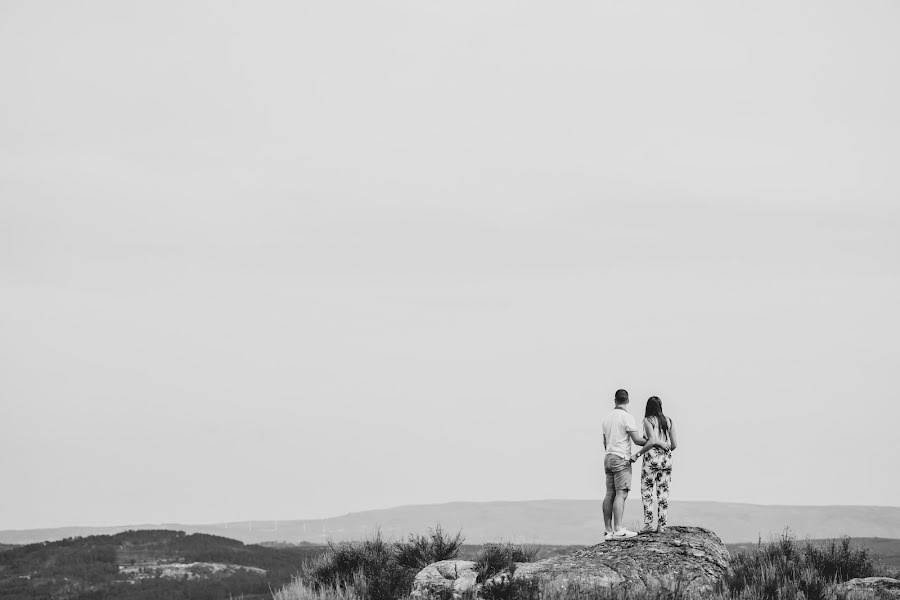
656 471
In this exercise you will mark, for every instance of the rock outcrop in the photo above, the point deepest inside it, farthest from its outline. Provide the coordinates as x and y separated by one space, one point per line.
692 558
883 588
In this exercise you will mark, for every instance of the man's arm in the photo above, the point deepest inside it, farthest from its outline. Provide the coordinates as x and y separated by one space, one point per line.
604 441
637 438
652 440
648 441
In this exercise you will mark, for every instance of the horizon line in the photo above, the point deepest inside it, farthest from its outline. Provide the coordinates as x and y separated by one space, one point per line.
425 504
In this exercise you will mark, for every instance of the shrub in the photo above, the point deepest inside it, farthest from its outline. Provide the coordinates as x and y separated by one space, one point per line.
419 551
494 558
784 569
388 569
840 561
374 560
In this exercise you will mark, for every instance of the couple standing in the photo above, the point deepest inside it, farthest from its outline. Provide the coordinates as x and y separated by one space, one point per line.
657 440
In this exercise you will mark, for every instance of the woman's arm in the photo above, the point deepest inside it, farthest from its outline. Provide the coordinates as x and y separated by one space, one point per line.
652 440
672 435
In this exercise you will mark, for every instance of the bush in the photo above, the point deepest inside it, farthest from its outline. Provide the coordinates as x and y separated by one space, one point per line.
388 569
374 560
775 569
494 558
419 551
840 561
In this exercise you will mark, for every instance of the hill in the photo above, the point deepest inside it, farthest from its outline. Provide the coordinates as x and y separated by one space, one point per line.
149 564
137 565
540 521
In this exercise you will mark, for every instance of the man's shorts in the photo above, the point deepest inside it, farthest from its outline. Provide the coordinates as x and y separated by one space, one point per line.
618 473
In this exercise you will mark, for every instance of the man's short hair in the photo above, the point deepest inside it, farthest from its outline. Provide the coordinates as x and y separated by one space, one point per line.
621 396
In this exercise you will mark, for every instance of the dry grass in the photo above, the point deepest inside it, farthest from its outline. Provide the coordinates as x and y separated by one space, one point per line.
386 568
781 570
298 589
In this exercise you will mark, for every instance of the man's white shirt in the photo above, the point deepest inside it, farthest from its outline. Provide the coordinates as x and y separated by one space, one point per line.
616 426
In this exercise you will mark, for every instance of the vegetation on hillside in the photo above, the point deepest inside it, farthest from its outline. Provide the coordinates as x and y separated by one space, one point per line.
782 570
125 567
885 551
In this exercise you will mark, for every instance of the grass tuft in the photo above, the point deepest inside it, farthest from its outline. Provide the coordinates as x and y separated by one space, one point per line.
299 589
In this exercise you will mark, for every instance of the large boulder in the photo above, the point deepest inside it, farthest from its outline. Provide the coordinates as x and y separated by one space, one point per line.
691 558
870 587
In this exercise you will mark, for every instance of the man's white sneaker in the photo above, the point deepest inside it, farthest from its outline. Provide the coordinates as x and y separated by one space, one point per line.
607 535
623 533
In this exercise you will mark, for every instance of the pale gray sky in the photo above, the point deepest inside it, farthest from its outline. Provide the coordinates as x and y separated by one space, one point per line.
291 259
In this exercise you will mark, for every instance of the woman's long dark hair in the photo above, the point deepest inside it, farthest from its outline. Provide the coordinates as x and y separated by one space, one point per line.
654 409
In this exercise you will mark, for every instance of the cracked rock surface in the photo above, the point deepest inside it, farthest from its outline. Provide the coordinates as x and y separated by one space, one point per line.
649 561
873 587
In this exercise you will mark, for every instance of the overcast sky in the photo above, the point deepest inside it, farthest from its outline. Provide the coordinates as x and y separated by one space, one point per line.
289 260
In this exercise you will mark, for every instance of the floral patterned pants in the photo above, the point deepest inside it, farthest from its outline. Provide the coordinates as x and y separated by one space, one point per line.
656 474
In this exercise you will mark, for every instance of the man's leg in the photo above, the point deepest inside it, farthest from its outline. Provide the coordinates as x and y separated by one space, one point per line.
608 508
619 510
622 480
610 497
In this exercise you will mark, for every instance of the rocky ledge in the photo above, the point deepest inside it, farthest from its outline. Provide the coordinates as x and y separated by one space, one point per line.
691 558
882 588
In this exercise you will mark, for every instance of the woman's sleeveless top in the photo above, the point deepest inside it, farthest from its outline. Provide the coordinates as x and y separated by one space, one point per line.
656 457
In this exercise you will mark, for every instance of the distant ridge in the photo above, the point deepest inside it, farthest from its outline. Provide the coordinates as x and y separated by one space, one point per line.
539 521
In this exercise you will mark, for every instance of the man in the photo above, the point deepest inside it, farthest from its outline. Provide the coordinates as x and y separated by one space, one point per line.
619 430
